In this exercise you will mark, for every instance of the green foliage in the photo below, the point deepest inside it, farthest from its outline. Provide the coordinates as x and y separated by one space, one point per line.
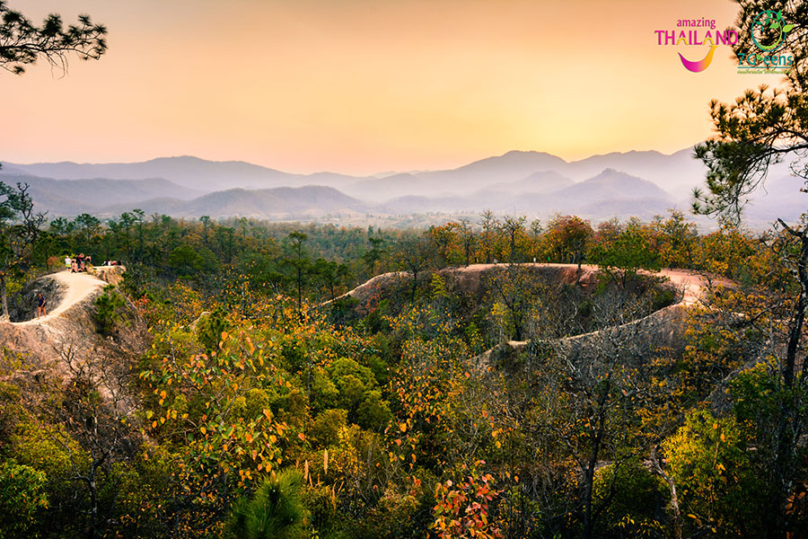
108 309
327 426
663 297
186 261
274 511
566 240
757 396
634 499
23 498
210 327
625 248
48 449
712 465
356 392
19 228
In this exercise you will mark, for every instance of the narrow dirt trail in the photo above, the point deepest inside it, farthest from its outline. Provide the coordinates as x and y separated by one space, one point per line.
692 284
78 287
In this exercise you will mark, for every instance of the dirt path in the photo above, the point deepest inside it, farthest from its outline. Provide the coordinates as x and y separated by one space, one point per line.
78 286
691 283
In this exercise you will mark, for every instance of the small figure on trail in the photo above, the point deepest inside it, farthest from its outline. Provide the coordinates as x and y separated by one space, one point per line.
68 262
81 261
41 302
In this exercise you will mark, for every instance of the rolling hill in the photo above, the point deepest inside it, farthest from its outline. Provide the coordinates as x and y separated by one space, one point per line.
281 203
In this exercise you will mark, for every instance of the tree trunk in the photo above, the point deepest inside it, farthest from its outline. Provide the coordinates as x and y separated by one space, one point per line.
589 480
795 333
677 514
299 291
589 473
3 297
580 258
92 487
786 441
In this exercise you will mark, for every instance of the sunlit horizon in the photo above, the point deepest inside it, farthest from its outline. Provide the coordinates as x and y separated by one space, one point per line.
363 88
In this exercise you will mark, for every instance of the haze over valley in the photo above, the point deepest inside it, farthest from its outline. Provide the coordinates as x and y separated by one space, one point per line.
640 184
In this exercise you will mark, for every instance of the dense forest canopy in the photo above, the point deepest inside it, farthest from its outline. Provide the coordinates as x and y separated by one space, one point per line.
268 398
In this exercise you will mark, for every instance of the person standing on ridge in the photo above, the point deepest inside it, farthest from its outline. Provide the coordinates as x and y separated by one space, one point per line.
41 302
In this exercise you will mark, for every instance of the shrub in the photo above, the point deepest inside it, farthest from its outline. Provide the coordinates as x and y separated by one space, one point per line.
108 314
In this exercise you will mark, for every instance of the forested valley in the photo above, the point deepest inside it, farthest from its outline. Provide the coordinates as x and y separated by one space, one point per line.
438 400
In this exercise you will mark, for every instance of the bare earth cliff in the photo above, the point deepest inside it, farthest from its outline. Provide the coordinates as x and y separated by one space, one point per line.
69 332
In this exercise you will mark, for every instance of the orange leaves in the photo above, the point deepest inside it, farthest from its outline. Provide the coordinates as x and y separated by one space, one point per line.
462 509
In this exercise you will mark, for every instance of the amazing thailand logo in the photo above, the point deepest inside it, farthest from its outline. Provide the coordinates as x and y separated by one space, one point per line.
697 33
700 39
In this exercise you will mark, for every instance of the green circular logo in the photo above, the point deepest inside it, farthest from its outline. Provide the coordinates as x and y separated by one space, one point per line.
769 30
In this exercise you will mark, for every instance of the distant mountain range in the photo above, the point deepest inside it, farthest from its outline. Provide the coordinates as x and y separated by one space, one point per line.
189 172
547 193
642 184
72 197
676 173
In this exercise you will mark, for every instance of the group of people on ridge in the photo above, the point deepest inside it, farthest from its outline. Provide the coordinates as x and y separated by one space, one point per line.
79 263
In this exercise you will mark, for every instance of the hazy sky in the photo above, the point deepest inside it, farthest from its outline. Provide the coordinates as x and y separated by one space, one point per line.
363 86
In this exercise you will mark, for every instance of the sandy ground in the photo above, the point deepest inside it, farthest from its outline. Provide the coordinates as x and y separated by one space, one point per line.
78 286
692 284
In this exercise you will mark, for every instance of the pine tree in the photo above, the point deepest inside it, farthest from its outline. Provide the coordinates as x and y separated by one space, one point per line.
275 511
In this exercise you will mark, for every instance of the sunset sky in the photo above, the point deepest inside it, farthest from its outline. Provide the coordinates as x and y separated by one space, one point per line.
365 86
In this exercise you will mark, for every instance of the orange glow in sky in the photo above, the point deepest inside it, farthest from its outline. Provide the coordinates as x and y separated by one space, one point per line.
364 86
